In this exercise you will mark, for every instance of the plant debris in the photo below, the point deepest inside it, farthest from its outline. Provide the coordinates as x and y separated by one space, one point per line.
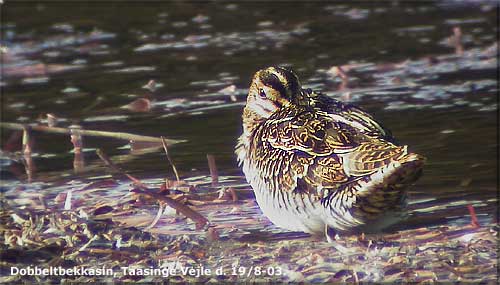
101 225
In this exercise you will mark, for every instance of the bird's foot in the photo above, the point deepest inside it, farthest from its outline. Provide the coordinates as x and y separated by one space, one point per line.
331 234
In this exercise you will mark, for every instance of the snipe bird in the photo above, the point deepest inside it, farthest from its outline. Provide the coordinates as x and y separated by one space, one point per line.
317 164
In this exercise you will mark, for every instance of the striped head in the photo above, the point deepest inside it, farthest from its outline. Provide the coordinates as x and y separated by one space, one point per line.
271 89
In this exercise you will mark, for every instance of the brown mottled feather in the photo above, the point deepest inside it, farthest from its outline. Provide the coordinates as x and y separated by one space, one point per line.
301 147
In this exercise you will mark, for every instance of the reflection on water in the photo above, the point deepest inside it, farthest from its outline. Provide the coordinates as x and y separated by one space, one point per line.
427 71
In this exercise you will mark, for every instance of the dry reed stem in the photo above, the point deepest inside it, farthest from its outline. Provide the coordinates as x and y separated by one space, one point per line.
51 120
117 135
213 169
76 140
157 217
115 168
474 222
27 144
26 148
169 159
199 220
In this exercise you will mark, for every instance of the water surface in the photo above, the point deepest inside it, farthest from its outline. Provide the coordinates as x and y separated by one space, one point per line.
81 62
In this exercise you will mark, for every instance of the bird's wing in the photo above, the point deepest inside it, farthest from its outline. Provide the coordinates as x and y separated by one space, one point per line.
349 114
320 152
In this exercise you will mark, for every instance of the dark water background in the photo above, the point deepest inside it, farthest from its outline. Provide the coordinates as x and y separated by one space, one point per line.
95 57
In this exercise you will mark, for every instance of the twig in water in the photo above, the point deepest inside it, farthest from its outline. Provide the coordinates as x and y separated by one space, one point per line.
26 149
199 220
143 189
76 140
169 159
51 120
157 217
115 168
117 135
213 169
26 141
456 40
474 222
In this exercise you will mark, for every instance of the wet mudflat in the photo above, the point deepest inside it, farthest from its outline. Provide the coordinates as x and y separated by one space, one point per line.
428 72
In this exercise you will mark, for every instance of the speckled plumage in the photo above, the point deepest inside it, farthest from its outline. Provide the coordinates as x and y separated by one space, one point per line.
314 161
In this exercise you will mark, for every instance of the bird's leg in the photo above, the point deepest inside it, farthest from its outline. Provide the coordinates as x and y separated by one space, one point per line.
330 233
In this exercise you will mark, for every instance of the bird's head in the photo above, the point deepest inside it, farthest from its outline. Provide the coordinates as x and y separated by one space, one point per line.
271 89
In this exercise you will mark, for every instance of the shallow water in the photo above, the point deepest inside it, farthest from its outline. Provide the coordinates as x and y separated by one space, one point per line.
83 62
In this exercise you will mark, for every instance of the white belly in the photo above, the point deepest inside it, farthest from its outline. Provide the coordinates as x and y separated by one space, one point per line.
300 212
286 209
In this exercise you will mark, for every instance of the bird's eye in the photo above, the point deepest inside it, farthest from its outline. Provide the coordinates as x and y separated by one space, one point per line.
262 93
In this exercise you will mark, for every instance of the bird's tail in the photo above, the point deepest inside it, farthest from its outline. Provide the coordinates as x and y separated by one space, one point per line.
370 197
384 187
